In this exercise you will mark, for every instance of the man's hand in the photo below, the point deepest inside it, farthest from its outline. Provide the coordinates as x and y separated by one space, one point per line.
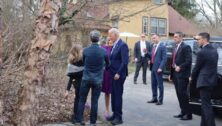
136 60
159 70
144 50
190 78
66 94
116 77
169 78
177 69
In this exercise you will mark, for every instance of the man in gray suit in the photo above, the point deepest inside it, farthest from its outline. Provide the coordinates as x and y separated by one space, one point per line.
205 75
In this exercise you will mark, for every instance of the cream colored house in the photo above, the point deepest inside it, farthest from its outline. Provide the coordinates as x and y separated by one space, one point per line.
140 16
134 16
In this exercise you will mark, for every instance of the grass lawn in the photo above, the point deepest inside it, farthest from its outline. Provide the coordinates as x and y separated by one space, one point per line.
131 68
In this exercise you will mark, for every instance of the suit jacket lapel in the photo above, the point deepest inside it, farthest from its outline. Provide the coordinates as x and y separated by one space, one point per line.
147 45
157 49
116 47
139 47
179 49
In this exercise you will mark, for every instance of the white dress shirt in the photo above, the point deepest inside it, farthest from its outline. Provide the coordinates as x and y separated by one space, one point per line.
142 47
157 45
205 45
178 45
114 45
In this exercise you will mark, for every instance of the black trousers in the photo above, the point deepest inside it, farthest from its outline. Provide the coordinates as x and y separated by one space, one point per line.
181 86
76 84
207 114
144 64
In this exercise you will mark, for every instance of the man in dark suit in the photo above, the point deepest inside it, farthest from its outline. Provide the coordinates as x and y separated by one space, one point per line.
180 73
119 59
141 53
158 61
205 75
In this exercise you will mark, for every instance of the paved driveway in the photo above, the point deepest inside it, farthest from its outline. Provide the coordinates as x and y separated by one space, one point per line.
137 112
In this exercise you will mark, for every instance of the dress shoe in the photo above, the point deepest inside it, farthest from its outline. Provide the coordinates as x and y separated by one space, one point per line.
152 101
159 103
110 118
135 82
144 83
92 124
116 122
80 124
179 116
73 121
186 117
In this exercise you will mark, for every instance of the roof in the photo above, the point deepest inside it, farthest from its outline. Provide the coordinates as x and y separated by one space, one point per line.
91 16
180 23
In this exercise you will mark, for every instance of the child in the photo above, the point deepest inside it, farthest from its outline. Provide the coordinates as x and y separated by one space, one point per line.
75 72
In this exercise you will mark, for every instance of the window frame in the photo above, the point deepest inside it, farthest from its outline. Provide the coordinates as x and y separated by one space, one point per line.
143 26
158 26
115 20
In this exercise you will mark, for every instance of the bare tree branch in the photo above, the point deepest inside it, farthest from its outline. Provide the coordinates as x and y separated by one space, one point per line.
65 19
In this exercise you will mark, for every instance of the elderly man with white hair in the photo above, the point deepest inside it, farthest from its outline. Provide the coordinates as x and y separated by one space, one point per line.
119 59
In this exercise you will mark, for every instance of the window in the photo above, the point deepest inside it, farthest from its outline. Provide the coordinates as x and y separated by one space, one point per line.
158 1
145 25
154 25
158 25
115 22
162 27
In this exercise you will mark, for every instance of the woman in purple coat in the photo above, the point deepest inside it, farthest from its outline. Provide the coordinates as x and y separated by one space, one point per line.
106 87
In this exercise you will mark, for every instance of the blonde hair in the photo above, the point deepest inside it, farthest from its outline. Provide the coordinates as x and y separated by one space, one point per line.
75 53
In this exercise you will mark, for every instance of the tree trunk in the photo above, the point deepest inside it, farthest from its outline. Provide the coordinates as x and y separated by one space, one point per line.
1 50
1 61
1 43
44 36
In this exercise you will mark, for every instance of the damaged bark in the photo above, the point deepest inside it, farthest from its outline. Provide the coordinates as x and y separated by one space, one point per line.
45 35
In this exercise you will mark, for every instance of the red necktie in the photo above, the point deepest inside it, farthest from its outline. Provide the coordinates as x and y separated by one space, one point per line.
153 54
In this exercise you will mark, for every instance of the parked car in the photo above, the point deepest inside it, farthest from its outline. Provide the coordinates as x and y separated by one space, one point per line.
170 45
195 101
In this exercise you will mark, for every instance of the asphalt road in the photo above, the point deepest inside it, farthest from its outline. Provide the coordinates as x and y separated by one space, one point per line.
137 112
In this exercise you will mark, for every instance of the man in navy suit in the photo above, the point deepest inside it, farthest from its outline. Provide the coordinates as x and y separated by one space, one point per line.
157 63
180 73
141 53
119 59
205 76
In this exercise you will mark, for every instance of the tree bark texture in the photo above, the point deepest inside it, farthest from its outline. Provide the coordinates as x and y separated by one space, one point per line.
44 36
